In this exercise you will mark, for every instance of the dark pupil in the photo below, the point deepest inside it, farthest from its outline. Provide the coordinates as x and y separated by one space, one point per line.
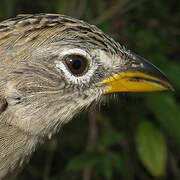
77 64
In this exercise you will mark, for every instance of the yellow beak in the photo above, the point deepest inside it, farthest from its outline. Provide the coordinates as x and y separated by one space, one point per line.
135 82
145 78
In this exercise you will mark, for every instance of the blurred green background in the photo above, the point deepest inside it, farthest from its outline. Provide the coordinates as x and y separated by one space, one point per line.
132 136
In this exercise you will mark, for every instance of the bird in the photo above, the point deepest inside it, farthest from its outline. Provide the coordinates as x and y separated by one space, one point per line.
51 67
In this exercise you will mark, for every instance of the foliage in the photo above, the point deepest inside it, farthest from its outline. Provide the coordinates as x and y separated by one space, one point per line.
136 136
151 147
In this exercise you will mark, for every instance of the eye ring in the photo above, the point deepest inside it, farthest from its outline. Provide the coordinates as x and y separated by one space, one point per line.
77 64
83 78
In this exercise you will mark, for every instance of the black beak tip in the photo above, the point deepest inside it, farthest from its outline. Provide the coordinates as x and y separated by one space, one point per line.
150 69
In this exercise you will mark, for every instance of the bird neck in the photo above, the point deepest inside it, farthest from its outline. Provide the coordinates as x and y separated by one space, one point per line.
15 148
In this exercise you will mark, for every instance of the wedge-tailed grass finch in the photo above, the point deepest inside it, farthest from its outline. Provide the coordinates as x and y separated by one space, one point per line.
51 67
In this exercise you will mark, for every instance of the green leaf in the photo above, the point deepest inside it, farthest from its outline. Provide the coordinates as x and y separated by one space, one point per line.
83 161
106 166
108 162
110 138
104 163
119 165
167 112
151 147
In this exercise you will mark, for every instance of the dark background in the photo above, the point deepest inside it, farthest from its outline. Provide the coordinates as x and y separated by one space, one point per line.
132 136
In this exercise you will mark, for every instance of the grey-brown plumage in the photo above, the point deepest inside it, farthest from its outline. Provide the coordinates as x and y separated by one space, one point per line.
51 67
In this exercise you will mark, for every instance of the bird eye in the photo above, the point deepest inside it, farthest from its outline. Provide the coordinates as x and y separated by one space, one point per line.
77 64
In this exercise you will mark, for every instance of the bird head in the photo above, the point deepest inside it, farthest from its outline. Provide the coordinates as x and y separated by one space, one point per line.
64 65
52 67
